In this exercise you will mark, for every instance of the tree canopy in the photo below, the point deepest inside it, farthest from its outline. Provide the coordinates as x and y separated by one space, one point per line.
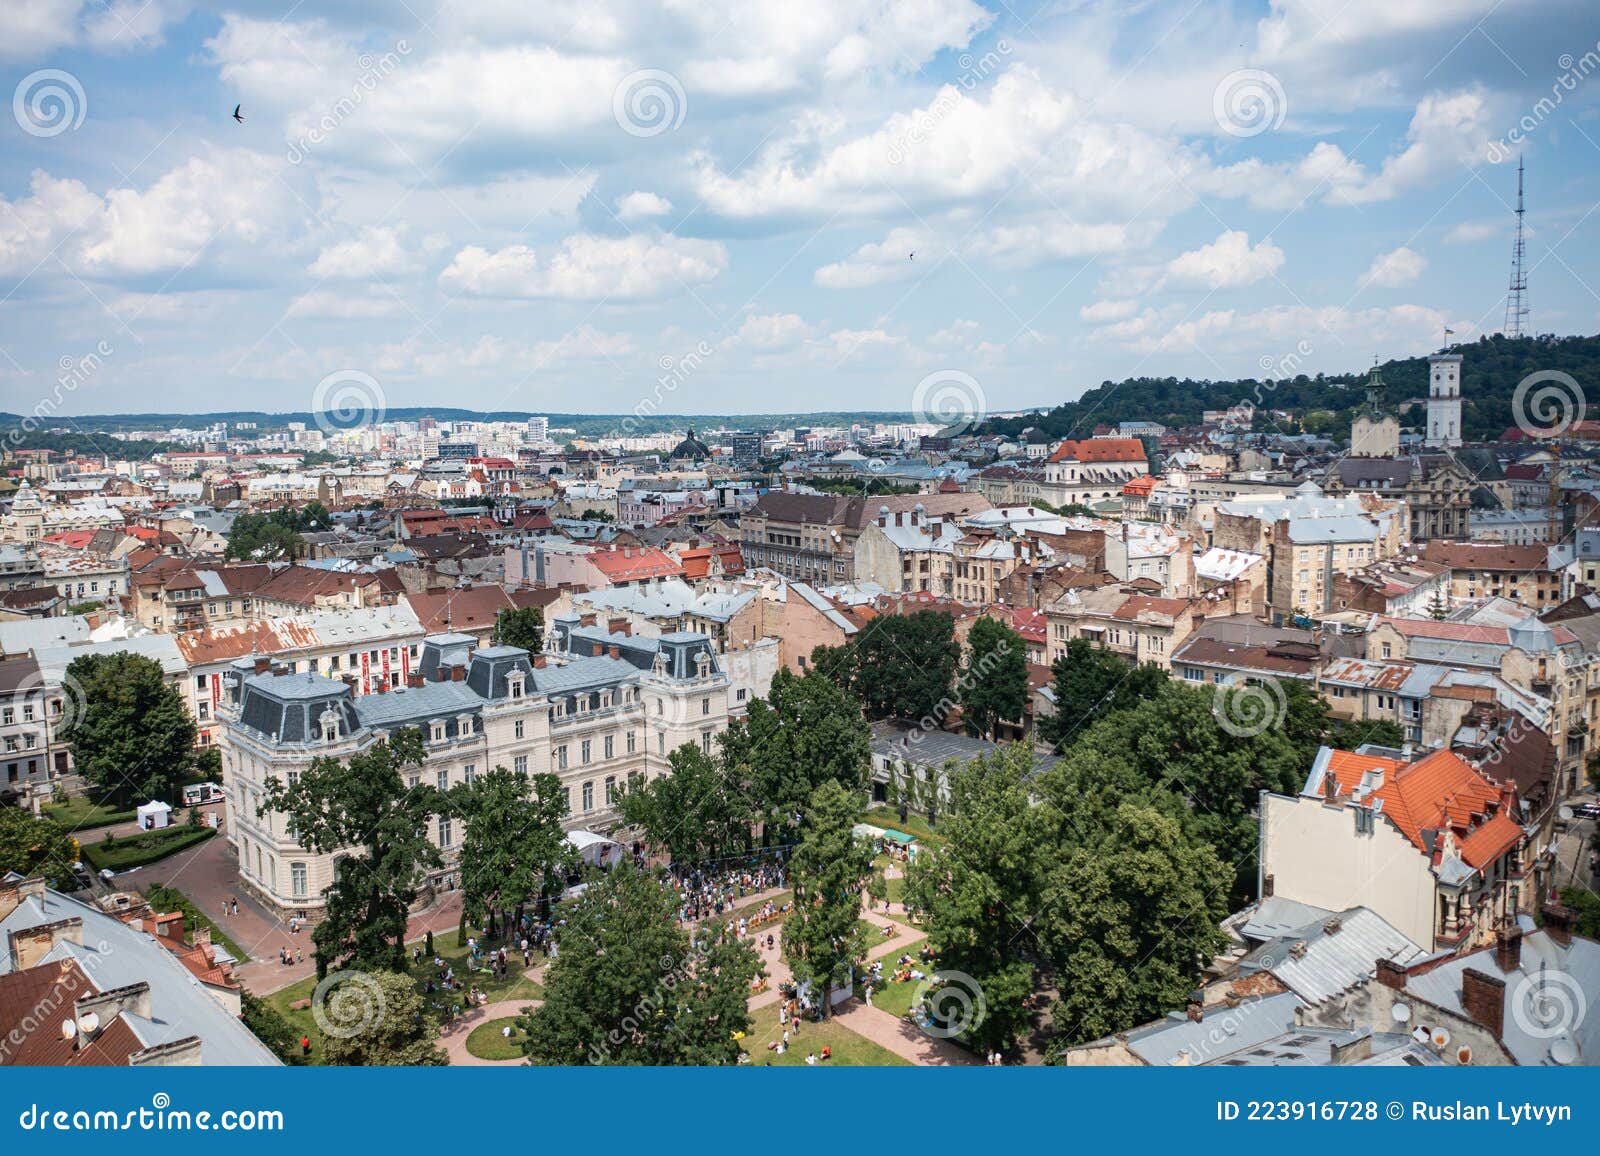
699 810
994 685
523 627
133 738
31 846
830 870
364 806
629 985
513 847
374 1020
898 666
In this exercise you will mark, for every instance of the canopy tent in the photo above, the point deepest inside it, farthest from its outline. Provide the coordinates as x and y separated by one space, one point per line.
899 837
154 815
595 849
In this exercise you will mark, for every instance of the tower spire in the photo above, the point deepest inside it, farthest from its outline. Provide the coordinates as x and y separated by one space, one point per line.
1516 292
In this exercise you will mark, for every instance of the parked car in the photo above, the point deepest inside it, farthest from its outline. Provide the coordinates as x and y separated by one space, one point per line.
1587 810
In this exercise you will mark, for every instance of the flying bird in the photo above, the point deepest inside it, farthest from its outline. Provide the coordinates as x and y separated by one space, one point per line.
236 115
913 257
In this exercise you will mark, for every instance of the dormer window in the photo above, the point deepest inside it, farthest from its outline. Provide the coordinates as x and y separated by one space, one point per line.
514 684
438 732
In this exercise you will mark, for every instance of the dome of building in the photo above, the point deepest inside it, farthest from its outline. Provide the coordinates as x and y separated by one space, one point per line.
691 448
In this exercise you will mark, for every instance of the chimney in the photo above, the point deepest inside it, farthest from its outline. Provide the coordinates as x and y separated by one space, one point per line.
107 1005
1558 921
587 620
899 518
1266 887
1331 926
1483 998
263 663
414 680
1508 947
12 895
1351 1053
1391 974
32 944
184 1053
1196 1010
380 685
599 649
458 673
619 626
538 662
614 650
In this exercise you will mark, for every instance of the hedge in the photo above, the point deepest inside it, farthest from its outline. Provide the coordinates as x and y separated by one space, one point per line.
145 847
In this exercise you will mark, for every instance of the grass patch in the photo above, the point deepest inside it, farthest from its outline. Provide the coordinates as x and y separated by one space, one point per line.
146 847
849 1049
164 899
915 824
79 814
487 1043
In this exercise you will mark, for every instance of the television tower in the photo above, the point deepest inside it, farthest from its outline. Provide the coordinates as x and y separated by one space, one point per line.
1516 299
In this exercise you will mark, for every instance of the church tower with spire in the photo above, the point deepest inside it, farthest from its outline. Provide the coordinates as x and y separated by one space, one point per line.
1444 401
1375 434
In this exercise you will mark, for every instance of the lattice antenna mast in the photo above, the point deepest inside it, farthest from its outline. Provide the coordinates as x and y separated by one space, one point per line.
1516 292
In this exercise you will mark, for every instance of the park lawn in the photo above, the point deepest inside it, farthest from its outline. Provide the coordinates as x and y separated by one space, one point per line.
486 1042
849 1049
145 847
515 986
895 998
915 824
79 814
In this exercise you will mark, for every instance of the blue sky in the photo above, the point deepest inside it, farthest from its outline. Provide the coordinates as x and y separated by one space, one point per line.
507 205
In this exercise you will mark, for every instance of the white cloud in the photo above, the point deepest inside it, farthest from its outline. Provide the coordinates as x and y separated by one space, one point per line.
1102 312
36 28
1472 232
1229 262
375 252
888 260
347 304
588 268
641 206
770 332
1392 270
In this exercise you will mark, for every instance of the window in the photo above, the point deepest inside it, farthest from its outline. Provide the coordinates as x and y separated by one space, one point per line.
633 742
566 799
611 790
444 831
588 796
587 749
516 729
561 757
610 747
705 705
470 772
705 741
199 682
297 880
519 764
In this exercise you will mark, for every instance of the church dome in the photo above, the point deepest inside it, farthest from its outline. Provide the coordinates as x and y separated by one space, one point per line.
691 448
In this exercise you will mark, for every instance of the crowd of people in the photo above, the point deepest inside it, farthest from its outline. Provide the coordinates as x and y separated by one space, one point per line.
708 892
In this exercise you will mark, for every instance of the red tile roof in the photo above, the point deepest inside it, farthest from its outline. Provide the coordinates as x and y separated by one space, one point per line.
634 564
1439 791
1100 450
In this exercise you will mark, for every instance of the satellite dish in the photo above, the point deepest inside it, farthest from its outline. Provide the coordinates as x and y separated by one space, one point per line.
1566 813
1440 1037
1463 1055
88 1023
1401 1013
68 1029
1563 1051
1420 1035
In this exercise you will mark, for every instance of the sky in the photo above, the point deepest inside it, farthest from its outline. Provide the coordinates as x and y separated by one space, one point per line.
723 206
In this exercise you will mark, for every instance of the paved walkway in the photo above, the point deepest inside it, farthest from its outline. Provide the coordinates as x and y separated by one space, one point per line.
901 1038
454 1038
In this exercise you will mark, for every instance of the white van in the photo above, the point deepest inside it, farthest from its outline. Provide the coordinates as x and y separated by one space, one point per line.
197 793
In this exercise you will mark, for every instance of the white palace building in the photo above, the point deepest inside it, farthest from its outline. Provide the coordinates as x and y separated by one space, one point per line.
596 709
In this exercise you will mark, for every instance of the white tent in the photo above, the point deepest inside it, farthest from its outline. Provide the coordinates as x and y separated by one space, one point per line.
596 849
153 816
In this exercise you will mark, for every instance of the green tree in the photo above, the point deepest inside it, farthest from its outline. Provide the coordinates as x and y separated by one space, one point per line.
830 869
264 538
133 739
994 686
629 986
31 846
270 1028
522 627
978 893
899 666
364 806
698 811
1131 917
513 846
804 733
379 1021
1089 682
